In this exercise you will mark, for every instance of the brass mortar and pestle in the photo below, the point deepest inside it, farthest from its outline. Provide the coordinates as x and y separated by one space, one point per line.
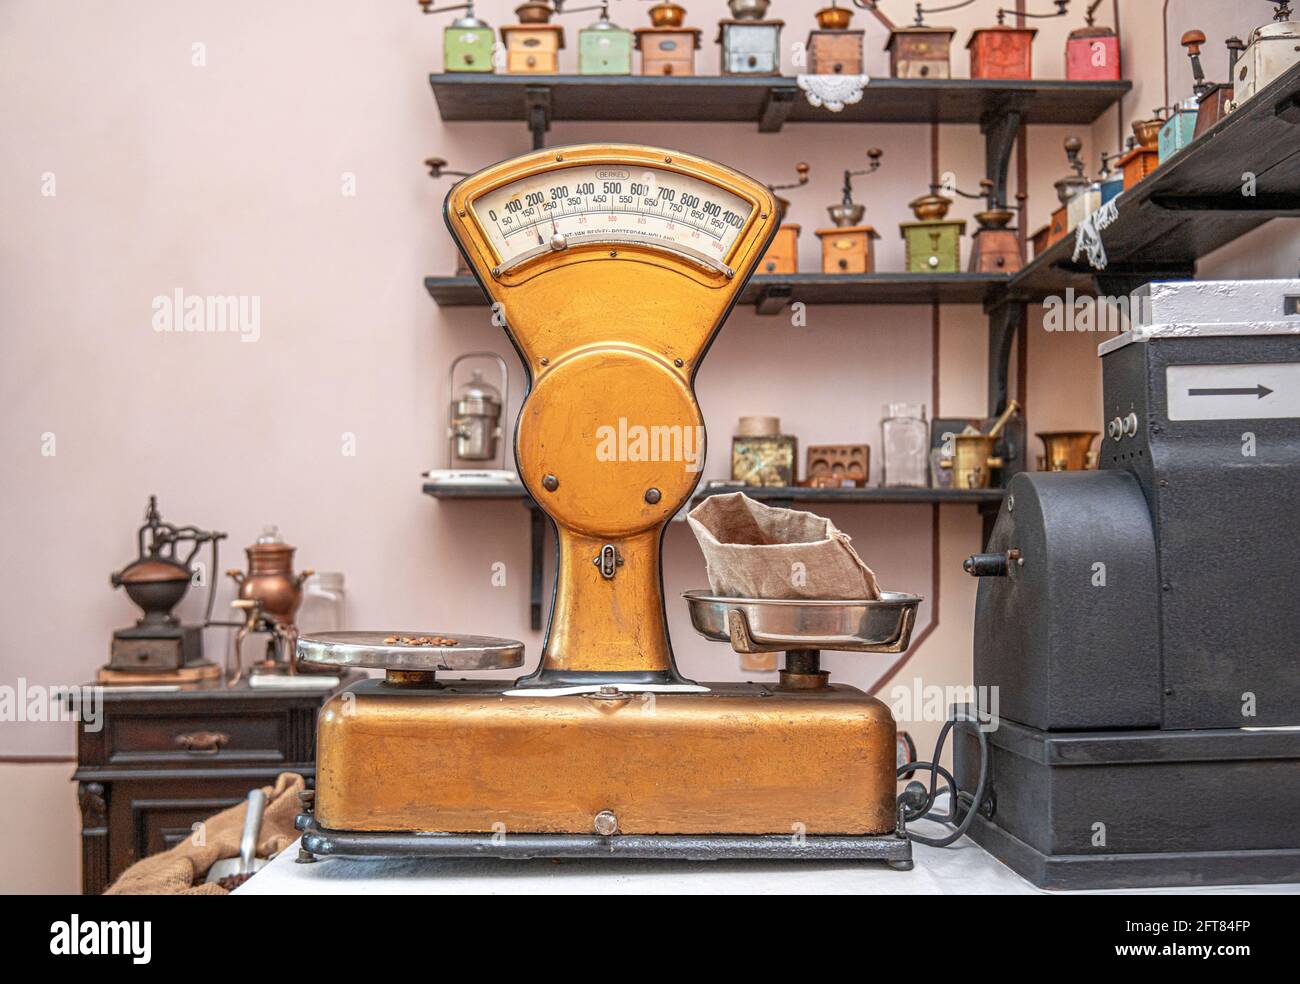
973 460
1067 450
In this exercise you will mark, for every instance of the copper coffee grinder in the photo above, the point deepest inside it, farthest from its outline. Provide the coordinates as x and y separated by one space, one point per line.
995 246
269 594
158 644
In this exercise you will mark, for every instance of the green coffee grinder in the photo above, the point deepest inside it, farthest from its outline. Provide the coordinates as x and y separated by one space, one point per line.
467 42
933 240
604 48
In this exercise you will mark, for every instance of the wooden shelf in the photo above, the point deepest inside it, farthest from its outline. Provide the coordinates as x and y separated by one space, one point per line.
475 491
875 495
1191 205
771 293
769 101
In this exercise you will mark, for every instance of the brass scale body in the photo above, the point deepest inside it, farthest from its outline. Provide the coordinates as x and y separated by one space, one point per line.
608 327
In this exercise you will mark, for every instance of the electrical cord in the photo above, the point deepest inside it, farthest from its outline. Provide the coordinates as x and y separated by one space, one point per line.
918 801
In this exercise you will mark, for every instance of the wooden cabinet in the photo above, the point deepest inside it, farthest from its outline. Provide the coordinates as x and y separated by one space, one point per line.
161 761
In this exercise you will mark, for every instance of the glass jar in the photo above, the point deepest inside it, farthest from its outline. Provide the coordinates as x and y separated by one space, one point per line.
324 604
905 446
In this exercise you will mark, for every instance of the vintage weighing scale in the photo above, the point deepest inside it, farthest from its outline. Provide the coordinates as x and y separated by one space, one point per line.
614 268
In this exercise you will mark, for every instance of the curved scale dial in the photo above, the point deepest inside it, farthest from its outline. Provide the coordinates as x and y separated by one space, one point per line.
611 203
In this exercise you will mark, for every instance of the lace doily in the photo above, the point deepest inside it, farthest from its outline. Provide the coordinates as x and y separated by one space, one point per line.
833 91
1087 237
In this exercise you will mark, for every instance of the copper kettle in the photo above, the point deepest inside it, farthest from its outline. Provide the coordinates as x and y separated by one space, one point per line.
270 580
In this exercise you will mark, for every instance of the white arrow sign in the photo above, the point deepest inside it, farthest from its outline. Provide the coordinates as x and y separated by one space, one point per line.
1244 391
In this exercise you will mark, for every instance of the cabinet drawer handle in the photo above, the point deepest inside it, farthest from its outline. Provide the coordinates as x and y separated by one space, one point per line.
203 742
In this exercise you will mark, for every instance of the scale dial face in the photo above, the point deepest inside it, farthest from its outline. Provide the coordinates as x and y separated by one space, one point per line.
611 203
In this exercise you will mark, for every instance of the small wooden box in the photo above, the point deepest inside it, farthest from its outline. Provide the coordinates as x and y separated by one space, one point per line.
750 47
920 52
667 50
933 247
1092 55
533 49
783 255
995 251
848 250
834 466
1002 53
835 52
1138 163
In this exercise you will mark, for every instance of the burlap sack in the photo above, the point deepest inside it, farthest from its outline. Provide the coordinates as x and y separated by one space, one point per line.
754 551
181 870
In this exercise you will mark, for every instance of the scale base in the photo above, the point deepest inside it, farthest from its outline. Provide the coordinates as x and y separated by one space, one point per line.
894 850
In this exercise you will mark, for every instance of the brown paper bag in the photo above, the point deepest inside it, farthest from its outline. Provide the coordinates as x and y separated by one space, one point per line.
755 551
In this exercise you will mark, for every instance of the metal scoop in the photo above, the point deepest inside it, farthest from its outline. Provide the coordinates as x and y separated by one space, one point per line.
247 862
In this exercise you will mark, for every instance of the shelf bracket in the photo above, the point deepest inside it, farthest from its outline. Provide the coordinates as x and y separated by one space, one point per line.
776 108
1004 321
773 300
537 109
1000 130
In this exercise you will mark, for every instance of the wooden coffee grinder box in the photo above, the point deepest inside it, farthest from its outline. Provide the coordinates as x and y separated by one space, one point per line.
667 48
533 45
832 48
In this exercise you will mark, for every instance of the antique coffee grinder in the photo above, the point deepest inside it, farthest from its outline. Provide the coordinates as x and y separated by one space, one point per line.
1092 52
833 49
1067 189
933 241
1212 98
849 246
666 46
156 581
533 45
1006 51
468 44
995 247
604 48
474 433
1139 621
783 255
1271 50
268 595
604 750
1143 157
437 169
750 45
921 51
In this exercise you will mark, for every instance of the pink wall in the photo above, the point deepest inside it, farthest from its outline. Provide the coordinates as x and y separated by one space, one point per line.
228 179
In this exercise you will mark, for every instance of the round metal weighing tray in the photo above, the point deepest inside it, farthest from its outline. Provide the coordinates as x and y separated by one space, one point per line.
768 625
370 651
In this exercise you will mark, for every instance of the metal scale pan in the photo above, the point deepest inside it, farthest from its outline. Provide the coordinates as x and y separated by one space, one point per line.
769 625
413 662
